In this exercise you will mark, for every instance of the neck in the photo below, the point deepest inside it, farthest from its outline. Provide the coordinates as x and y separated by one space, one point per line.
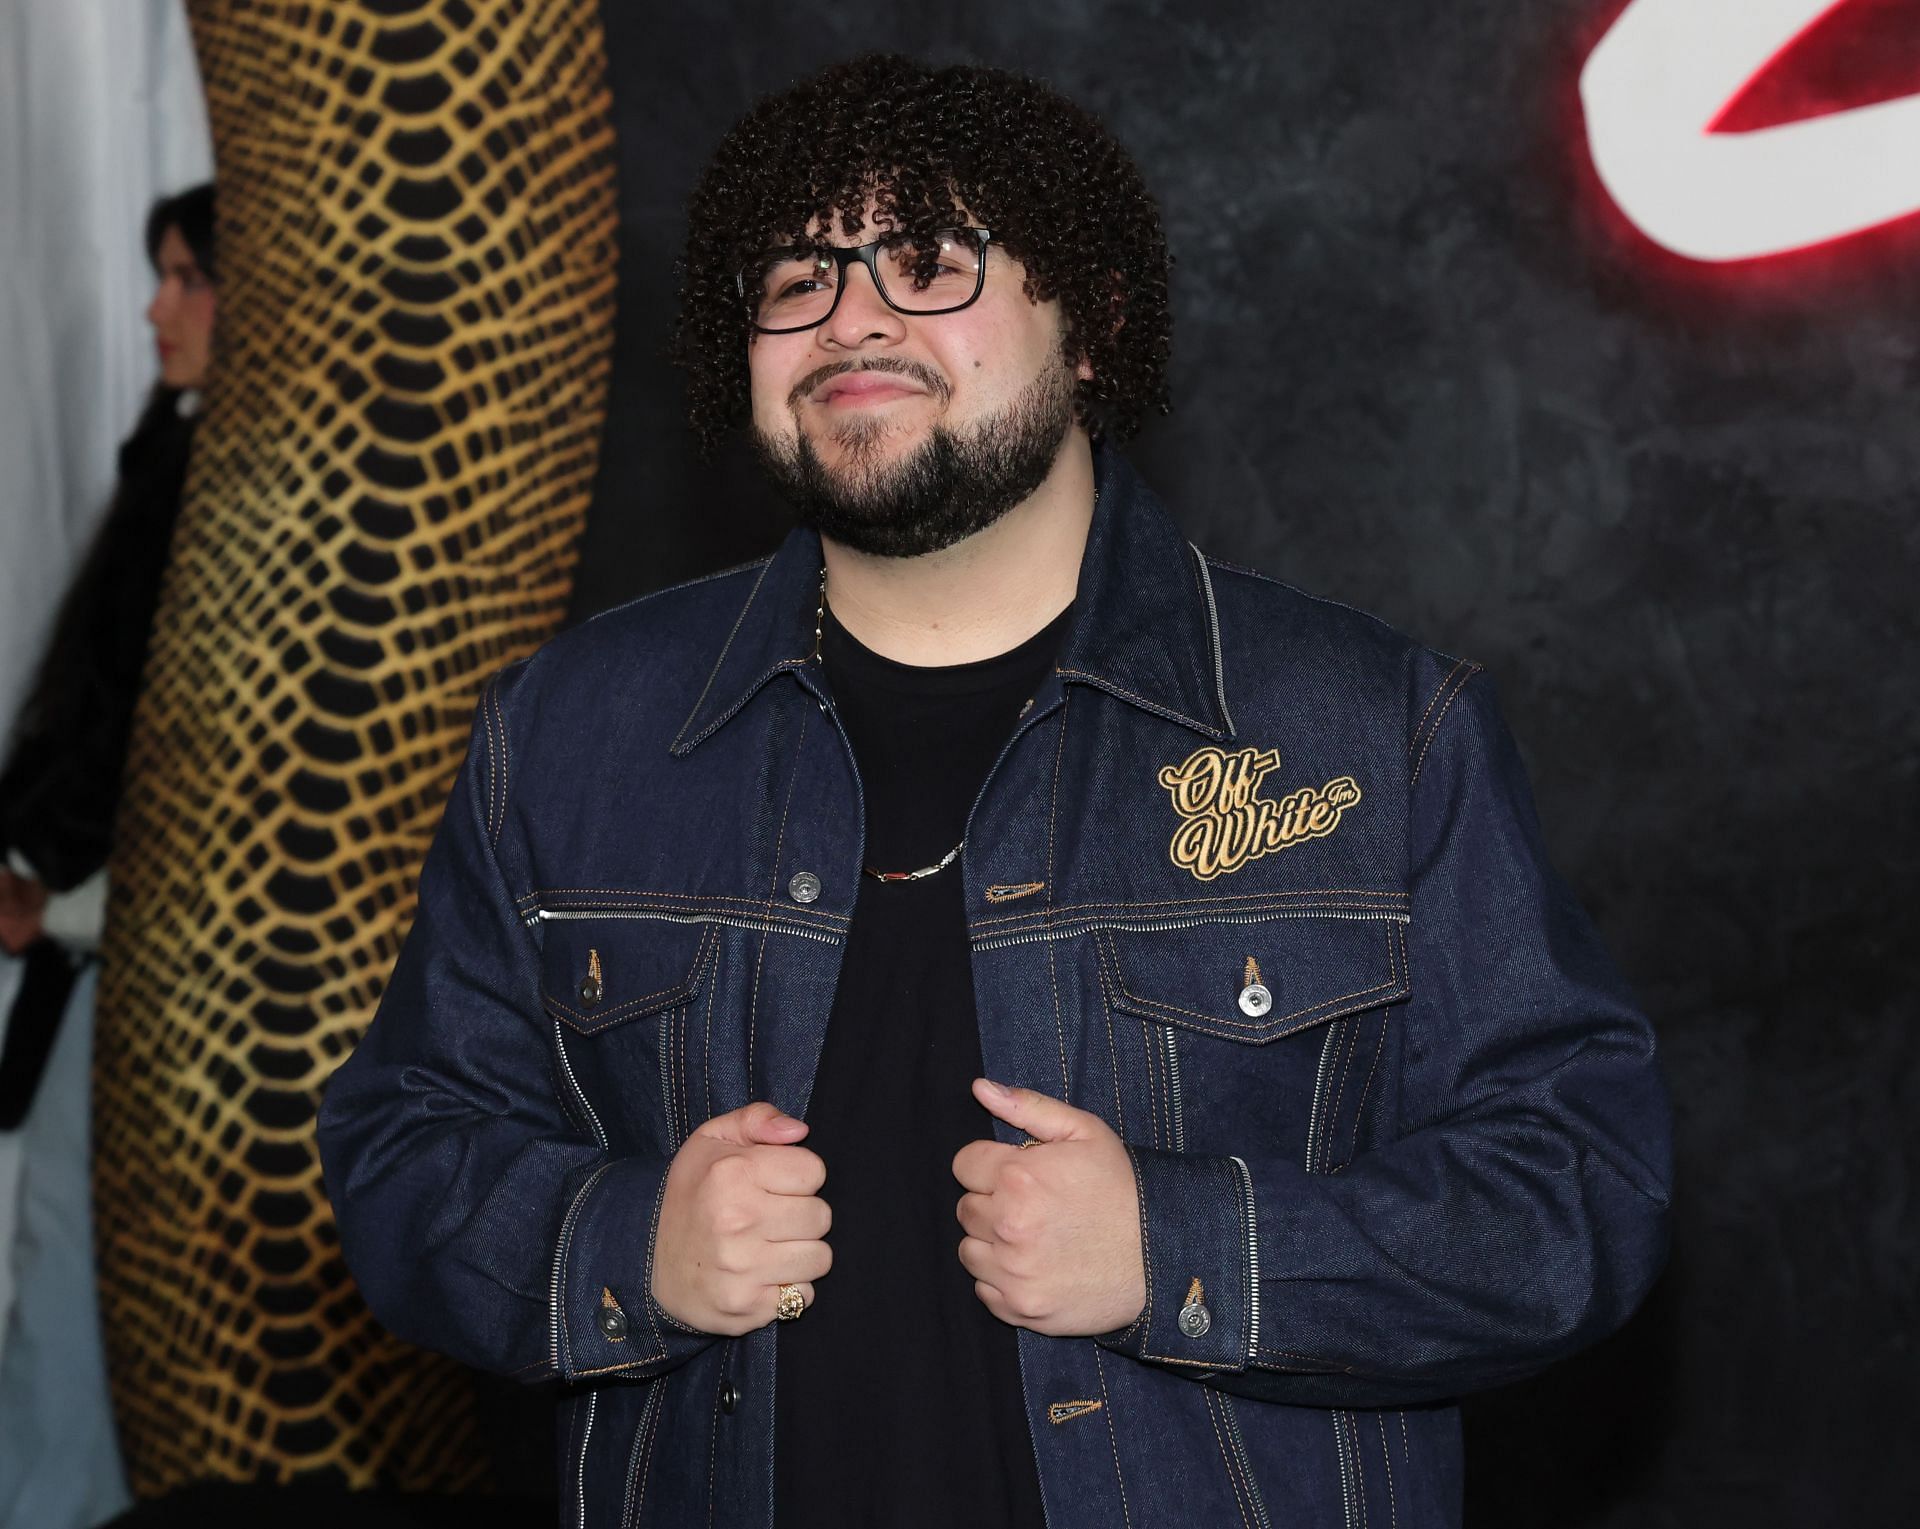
980 597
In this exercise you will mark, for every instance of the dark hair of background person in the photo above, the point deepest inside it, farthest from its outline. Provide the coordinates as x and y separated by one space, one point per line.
190 211
929 146
62 777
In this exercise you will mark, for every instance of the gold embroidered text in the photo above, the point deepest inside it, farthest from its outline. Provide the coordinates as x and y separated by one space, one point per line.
1226 823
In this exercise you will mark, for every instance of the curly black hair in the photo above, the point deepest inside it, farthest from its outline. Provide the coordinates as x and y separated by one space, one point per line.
924 144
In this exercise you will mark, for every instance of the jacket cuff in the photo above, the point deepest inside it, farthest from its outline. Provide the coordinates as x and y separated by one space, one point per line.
604 1317
1197 1241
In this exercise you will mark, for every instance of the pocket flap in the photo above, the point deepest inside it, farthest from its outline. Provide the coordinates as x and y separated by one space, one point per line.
598 972
1256 982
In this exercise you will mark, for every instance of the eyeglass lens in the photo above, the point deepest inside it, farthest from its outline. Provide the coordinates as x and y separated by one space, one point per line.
796 288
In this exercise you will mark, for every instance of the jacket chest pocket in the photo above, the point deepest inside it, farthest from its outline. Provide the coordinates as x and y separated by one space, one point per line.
626 1000
1266 1038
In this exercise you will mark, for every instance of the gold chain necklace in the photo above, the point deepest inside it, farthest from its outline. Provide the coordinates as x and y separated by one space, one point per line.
819 627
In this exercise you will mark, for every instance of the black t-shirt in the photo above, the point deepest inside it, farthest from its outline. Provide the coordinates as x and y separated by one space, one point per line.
899 1393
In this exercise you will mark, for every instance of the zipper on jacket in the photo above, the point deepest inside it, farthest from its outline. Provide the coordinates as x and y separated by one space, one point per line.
1347 1487
666 1079
1239 1445
759 926
635 1487
560 1260
1170 1040
1253 1257
573 1083
1158 926
1319 1093
580 1473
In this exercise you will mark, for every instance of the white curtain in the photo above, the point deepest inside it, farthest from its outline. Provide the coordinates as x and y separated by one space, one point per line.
101 112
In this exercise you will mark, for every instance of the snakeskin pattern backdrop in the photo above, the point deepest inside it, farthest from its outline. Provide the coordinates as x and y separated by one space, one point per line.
417 249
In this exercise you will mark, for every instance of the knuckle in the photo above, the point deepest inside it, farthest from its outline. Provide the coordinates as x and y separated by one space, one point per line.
732 1219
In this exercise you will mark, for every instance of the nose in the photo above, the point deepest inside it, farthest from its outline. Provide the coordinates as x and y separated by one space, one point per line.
161 306
862 317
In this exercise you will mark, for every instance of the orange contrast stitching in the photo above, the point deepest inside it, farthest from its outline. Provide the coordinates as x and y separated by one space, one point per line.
1439 690
1153 706
1435 733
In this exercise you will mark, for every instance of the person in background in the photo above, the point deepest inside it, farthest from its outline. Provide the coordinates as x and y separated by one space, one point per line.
62 777
58 794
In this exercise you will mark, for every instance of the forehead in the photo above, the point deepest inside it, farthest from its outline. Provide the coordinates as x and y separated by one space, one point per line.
173 252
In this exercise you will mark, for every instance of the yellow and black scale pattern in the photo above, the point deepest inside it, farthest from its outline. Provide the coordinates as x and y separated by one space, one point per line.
417 244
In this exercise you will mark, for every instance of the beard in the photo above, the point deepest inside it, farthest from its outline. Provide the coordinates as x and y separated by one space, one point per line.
954 485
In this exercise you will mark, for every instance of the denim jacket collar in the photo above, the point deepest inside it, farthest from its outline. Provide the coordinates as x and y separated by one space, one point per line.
1144 629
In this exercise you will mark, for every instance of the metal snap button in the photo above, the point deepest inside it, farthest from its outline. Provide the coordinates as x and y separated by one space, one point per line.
804 888
1255 1000
613 1324
591 991
729 1397
1195 1319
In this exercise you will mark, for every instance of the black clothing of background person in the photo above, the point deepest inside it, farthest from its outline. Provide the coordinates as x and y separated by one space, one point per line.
61 783
62 778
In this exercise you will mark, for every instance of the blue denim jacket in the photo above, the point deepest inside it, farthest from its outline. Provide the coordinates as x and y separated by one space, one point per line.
1255 879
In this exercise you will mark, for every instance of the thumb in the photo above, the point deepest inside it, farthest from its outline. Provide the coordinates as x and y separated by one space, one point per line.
753 1125
1040 1115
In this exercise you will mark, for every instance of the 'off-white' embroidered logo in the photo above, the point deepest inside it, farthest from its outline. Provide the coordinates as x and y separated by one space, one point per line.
1226 823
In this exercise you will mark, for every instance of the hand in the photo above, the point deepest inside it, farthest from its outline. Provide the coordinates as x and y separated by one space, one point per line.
21 904
742 1216
1053 1229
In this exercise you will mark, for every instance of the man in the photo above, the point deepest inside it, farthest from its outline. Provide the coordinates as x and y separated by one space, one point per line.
988 1016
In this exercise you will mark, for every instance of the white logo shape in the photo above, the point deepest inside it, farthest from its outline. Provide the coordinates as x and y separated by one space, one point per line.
1664 74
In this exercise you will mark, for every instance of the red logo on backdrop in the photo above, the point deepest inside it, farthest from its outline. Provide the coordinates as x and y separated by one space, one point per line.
1666 92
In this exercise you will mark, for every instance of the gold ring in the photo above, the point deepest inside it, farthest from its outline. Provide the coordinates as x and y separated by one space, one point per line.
791 1303
1031 1141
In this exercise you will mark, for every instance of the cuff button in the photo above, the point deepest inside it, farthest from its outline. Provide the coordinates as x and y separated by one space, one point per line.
804 888
1195 1321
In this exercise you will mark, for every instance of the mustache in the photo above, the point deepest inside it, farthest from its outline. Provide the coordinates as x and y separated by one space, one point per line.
926 376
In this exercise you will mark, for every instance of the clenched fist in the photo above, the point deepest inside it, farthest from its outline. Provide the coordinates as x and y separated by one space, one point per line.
1053 1229
742 1216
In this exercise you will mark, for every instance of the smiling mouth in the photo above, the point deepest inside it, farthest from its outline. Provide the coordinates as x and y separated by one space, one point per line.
882 380
862 389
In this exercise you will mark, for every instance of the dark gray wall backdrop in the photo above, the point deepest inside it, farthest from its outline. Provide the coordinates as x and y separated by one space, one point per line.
1421 367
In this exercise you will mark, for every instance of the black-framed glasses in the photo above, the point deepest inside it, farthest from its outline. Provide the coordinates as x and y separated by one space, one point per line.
799 287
